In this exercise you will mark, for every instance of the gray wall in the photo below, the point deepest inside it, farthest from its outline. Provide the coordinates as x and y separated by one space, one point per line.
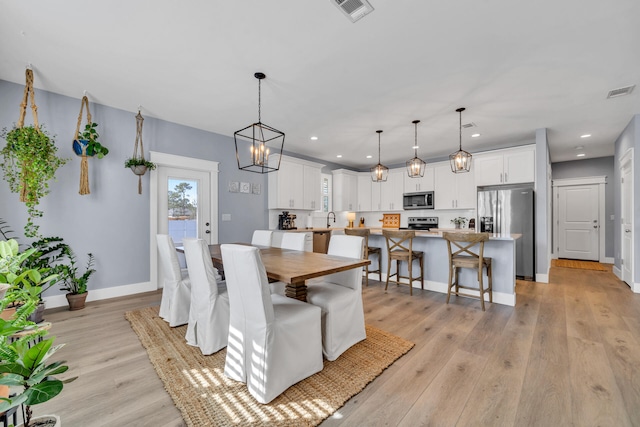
603 166
542 208
113 221
629 138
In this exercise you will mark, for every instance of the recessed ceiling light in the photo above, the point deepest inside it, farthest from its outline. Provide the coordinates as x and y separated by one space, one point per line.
579 147
339 156
586 135
369 156
580 155
475 135
314 138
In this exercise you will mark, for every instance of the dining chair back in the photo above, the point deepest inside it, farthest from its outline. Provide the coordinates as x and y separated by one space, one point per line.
176 291
261 237
400 248
368 250
339 295
463 254
208 326
294 241
274 341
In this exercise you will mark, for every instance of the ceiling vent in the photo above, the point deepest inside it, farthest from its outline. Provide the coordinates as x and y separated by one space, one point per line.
354 9
469 125
620 92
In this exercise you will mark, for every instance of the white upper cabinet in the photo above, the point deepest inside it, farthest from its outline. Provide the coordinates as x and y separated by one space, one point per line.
424 183
345 190
296 185
364 192
391 191
454 190
510 166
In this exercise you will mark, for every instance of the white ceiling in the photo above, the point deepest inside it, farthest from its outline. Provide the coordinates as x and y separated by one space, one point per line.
516 66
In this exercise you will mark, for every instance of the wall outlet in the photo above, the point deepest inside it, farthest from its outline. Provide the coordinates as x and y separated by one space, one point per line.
226 217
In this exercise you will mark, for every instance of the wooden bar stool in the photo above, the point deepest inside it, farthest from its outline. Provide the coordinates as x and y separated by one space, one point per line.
368 250
400 248
462 244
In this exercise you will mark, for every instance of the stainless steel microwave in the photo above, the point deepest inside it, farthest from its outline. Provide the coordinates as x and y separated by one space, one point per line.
421 200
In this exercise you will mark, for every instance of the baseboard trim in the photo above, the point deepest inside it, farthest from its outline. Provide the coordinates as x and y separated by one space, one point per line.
609 260
100 294
498 297
542 278
617 272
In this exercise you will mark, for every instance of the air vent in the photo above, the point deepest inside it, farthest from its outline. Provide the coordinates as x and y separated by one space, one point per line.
469 125
354 9
620 92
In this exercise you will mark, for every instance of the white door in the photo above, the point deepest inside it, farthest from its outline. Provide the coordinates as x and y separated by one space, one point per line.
184 204
627 221
578 222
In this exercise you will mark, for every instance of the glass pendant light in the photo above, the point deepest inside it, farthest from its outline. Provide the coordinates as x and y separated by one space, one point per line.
263 141
460 160
379 172
415 166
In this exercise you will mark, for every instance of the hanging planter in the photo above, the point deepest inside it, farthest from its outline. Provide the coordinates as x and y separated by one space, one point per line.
138 164
29 159
85 144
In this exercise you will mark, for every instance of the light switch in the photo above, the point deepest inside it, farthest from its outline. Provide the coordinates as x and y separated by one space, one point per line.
226 217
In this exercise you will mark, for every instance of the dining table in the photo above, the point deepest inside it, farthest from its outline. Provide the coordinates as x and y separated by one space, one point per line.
293 267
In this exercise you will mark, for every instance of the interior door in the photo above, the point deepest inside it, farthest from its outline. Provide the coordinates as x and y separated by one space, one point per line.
627 221
578 222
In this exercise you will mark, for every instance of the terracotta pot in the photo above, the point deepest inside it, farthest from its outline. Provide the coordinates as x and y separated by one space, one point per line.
7 313
76 301
44 421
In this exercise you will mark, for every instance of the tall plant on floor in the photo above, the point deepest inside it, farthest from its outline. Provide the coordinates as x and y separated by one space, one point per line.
29 160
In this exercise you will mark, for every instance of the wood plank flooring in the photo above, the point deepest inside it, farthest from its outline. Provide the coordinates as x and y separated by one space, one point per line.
567 354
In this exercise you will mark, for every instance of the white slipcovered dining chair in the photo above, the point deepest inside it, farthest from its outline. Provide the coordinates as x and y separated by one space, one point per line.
274 341
261 237
208 326
176 291
294 241
339 295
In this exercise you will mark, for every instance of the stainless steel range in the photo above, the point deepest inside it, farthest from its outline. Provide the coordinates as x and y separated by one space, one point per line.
422 223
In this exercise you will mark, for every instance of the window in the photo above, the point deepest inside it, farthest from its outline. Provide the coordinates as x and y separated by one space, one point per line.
325 191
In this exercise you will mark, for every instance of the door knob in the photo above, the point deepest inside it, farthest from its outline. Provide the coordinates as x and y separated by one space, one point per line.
206 223
208 231
595 226
627 230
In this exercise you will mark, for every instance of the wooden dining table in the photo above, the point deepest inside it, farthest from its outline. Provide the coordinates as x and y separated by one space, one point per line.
295 267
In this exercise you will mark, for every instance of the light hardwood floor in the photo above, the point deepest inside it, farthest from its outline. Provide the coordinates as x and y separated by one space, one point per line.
567 354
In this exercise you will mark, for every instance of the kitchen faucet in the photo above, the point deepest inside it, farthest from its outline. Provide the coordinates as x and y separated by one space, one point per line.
328 216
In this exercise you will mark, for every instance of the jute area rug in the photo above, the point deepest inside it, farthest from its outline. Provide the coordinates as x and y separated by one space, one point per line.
572 263
205 397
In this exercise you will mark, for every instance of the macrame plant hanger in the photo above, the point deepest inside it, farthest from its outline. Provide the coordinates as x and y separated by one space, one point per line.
28 89
84 163
139 145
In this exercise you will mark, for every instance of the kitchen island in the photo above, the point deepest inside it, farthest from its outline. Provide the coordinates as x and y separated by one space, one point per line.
500 247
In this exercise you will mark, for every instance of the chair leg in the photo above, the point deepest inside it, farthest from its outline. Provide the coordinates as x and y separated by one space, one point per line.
380 266
481 286
422 272
388 273
450 283
366 277
490 277
410 276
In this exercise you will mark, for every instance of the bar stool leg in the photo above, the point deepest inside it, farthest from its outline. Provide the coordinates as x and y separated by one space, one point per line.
490 277
422 272
410 276
450 283
388 273
481 286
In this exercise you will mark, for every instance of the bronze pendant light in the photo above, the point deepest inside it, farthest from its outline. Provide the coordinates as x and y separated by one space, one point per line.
415 166
460 160
379 172
263 141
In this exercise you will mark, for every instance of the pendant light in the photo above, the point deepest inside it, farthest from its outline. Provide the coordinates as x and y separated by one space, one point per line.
415 166
263 141
379 172
460 160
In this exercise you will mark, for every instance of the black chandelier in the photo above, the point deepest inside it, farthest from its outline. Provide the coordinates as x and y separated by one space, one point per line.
379 172
263 142
415 166
460 160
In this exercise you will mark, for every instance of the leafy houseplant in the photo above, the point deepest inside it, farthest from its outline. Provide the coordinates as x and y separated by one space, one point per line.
29 162
89 138
75 283
139 165
459 222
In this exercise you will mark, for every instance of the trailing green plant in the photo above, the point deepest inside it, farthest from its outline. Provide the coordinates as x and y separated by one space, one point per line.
72 281
137 161
29 162
90 134
5 231
459 221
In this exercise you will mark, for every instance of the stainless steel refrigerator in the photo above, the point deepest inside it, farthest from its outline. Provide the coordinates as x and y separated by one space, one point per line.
509 209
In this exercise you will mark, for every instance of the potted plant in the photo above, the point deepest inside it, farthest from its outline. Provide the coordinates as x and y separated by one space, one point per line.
29 162
89 139
75 283
139 165
459 222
